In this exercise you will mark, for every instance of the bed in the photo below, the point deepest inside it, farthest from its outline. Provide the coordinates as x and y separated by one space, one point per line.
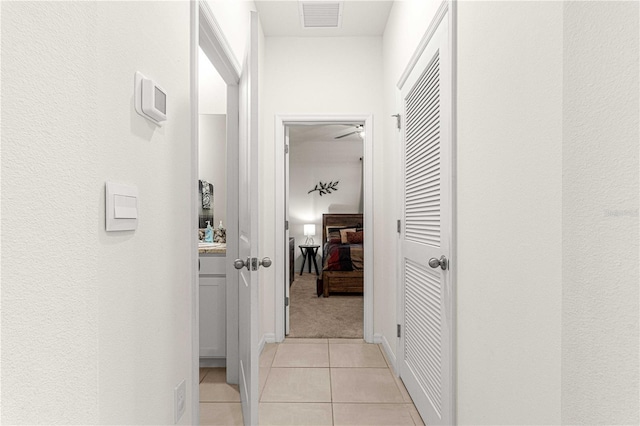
342 263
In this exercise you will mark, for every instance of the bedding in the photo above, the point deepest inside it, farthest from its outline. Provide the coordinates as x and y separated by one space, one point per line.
342 257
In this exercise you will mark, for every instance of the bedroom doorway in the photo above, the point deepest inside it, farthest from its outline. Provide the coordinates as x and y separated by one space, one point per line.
326 179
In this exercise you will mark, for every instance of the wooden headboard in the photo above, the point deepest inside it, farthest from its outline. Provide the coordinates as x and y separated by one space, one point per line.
340 219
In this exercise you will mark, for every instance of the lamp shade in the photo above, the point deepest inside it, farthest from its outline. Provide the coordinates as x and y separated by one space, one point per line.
309 229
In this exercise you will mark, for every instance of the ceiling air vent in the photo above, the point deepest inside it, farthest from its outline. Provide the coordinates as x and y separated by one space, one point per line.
320 13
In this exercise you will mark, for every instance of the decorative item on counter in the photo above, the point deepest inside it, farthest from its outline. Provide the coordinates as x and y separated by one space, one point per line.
208 233
325 188
200 235
207 190
220 234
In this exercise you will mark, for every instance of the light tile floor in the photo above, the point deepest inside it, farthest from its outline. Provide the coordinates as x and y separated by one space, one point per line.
314 382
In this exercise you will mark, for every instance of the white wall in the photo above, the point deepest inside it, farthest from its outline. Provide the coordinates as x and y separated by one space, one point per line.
212 161
96 326
315 76
600 200
328 161
509 212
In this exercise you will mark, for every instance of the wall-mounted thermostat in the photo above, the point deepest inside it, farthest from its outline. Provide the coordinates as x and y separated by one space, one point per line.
150 99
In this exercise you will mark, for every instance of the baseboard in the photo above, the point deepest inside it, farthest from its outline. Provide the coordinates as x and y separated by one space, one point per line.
391 357
266 338
213 362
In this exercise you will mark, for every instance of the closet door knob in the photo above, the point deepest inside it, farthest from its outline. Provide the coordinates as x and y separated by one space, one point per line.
442 262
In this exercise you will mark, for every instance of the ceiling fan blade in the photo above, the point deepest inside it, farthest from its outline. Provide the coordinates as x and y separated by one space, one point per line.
345 135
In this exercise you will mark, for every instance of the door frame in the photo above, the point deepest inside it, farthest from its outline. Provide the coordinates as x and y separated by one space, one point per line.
207 34
448 10
281 246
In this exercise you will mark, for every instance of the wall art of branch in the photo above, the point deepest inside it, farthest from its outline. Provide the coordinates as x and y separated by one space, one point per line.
325 188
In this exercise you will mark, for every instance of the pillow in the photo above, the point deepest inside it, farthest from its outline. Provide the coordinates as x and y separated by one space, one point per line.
343 234
355 237
333 234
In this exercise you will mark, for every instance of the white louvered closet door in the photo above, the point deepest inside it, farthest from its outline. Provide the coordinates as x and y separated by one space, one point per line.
427 334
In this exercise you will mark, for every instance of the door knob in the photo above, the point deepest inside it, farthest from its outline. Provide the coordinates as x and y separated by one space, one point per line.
239 263
442 262
266 262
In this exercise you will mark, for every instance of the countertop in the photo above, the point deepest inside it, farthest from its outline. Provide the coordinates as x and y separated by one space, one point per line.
212 248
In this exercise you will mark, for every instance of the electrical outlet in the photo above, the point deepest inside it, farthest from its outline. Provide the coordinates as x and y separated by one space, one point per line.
179 400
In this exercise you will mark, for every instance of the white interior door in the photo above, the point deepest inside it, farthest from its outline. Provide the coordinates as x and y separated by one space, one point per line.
248 263
427 336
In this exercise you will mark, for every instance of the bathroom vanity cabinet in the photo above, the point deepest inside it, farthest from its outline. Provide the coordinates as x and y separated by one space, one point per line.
213 302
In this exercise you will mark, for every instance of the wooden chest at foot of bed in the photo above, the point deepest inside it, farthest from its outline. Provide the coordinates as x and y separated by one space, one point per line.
342 282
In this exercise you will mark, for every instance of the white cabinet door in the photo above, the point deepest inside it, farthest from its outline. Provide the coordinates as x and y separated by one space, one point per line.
213 317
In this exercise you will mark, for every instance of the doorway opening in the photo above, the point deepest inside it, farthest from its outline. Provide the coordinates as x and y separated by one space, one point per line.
326 174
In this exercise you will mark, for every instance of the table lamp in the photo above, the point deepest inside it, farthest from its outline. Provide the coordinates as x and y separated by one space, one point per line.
309 231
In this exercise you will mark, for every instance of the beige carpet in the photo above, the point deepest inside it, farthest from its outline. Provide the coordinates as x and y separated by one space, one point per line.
312 316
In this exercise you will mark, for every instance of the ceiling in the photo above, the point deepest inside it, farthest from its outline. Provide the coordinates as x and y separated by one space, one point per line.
359 18
322 133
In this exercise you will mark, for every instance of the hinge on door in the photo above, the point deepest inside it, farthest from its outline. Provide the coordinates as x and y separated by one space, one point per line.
286 301
397 116
286 225
286 149
399 226
399 328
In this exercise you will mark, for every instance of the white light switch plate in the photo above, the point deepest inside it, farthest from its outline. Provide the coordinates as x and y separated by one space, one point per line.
121 207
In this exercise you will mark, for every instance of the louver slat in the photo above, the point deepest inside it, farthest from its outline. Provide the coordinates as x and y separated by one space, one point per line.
423 339
422 158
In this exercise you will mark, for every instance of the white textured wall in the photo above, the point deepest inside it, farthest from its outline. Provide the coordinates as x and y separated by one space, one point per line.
212 161
600 201
95 325
509 154
332 75
311 162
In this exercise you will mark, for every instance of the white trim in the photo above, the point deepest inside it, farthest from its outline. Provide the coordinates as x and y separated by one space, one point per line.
453 265
193 220
431 29
233 129
281 245
215 45
386 347
221 56
266 338
213 362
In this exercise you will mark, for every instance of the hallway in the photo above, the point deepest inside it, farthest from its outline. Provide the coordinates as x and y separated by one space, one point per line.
314 382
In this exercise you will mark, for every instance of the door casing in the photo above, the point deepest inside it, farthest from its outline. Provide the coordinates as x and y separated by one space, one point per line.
206 33
281 121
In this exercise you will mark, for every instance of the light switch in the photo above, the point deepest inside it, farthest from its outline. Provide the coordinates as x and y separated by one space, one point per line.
121 207
125 207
